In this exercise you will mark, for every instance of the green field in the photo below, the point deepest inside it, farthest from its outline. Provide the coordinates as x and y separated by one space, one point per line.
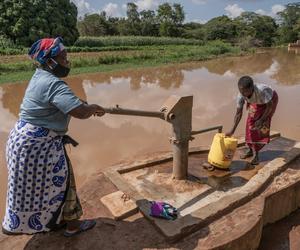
114 58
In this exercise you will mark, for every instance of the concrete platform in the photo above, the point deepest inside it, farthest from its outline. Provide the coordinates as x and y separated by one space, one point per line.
206 196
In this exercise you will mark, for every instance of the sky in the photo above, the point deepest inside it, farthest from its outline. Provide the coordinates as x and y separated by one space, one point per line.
195 10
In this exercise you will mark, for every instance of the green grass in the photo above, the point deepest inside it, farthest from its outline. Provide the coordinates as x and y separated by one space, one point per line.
12 51
145 57
100 49
105 43
7 47
133 41
21 51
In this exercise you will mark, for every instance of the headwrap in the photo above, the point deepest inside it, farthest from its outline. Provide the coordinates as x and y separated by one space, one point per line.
46 48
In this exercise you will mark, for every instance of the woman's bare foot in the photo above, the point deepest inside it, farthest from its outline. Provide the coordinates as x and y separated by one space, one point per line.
208 166
255 159
247 154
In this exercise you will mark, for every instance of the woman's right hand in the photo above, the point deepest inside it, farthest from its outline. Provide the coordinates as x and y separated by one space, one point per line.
85 111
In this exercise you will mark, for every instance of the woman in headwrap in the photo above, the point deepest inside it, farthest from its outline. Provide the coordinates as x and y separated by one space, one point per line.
41 192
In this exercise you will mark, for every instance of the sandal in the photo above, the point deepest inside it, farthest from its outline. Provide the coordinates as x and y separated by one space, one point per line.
59 226
84 226
4 231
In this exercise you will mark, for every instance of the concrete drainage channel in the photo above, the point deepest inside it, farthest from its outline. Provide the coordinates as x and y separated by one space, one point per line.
231 213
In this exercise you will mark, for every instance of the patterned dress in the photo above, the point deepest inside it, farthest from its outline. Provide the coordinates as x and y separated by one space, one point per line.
37 179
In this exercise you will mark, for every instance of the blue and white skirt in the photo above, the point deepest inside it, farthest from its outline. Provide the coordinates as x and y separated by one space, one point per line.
37 179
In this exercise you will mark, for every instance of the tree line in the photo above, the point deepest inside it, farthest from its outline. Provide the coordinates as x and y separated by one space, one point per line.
166 21
25 21
248 29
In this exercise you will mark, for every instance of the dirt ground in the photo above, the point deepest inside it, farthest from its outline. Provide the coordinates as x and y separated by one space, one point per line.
133 233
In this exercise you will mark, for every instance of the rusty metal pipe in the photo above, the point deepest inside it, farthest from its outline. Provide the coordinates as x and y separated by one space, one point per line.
219 128
180 159
119 111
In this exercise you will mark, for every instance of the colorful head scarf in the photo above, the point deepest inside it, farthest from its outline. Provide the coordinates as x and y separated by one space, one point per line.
46 48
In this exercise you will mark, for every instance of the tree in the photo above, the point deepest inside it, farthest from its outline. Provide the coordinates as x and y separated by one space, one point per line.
123 28
28 20
170 18
178 14
261 29
133 21
296 29
93 25
164 13
149 25
132 12
221 27
113 23
193 30
289 23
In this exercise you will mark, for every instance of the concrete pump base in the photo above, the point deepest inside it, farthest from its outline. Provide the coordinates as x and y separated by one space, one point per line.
227 207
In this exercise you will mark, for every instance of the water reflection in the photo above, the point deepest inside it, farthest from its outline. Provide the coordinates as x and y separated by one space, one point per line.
105 141
252 64
288 72
294 50
277 64
165 77
11 95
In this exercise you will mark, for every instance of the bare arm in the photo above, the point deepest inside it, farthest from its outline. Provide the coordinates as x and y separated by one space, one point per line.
237 119
85 111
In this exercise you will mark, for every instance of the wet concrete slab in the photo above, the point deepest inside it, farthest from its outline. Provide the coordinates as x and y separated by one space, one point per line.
206 195
241 171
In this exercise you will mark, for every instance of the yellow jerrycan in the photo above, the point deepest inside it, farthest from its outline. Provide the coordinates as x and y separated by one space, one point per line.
222 151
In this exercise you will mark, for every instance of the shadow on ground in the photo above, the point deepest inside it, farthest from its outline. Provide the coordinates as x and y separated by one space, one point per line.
109 234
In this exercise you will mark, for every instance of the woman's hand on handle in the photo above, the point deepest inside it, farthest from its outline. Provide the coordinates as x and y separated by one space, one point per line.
85 111
97 110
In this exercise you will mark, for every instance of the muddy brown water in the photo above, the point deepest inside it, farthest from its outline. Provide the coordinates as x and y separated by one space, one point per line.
110 139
